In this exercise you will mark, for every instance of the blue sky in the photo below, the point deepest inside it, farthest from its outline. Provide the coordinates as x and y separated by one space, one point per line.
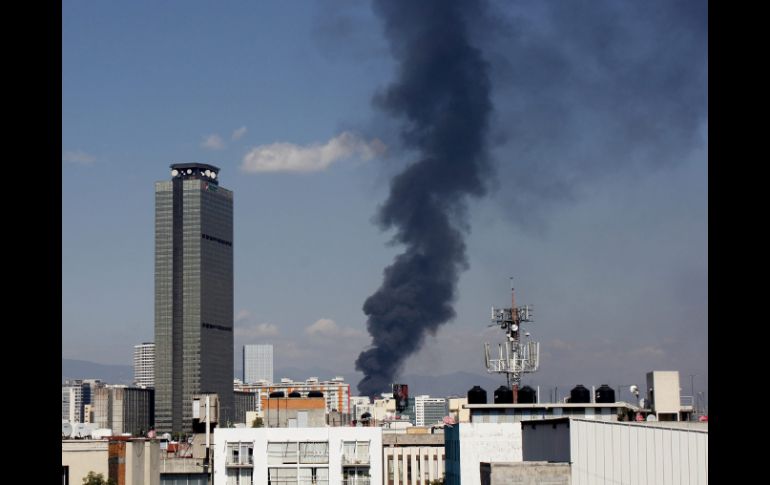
601 217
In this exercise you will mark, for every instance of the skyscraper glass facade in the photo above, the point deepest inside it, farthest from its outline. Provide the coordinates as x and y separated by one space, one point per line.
193 294
257 363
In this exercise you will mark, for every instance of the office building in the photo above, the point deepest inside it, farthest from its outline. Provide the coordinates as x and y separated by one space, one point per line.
144 365
257 363
193 294
243 402
75 394
429 410
124 409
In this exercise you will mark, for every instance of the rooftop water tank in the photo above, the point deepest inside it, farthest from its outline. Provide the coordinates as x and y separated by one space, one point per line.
477 395
503 395
579 394
277 394
605 394
527 395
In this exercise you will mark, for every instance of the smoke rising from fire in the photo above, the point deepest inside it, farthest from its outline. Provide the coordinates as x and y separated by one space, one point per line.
442 97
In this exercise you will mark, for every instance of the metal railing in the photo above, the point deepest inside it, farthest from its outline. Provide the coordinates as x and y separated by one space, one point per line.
356 481
355 460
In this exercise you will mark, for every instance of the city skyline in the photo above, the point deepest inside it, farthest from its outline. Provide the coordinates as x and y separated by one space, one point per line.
613 260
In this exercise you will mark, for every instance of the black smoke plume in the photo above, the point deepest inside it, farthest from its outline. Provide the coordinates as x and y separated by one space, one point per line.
442 96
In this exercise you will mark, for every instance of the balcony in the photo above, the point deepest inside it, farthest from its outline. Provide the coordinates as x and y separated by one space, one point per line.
240 455
350 460
355 453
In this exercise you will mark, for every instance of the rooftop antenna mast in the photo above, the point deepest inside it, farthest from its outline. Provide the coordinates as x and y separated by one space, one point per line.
515 356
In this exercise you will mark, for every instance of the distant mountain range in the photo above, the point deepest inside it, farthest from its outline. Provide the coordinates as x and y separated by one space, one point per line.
83 369
454 384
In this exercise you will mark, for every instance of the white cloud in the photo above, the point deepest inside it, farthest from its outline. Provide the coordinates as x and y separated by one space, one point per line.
237 134
559 344
326 327
78 156
256 331
213 142
288 157
242 315
648 351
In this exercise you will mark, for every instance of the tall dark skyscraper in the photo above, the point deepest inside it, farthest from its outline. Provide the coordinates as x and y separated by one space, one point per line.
193 294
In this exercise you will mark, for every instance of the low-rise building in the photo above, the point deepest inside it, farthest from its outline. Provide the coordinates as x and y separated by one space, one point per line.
525 473
514 413
467 445
294 412
605 452
457 409
332 455
127 461
335 391
412 458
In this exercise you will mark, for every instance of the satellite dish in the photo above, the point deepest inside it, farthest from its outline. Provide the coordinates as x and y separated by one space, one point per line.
79 430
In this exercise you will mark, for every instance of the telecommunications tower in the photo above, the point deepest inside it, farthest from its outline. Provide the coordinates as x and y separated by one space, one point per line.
516 356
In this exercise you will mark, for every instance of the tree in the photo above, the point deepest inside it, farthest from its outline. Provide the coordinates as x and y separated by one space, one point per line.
97 479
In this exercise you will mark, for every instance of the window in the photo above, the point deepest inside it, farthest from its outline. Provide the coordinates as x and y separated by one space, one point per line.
281 476
239 476
355 452
356 475
313 476
281 453
314 452
240 454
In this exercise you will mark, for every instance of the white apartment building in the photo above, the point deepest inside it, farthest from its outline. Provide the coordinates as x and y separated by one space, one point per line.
144 365
72 401
467 445
294 456
257 363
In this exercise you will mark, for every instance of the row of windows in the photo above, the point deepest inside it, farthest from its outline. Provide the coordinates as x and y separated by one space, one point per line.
217 327
216 239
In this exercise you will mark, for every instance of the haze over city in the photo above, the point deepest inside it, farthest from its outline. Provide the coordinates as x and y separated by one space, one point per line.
596 200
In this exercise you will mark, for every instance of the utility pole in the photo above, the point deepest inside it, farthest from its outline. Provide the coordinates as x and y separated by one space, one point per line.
692 393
